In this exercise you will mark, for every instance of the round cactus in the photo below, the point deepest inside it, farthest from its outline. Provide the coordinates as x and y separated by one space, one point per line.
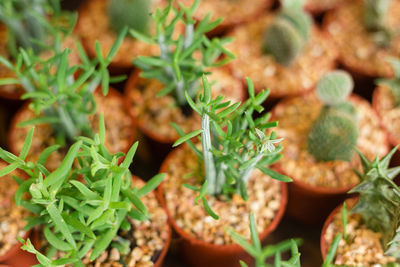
334 87
286 36
132 13
333 137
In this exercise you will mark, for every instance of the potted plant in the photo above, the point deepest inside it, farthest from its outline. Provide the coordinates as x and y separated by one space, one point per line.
156 96
385 101
260 254
12 223
284 52
234 12
102 21
228 169
321 131
91 213
365 32
64 102
373 222
29 24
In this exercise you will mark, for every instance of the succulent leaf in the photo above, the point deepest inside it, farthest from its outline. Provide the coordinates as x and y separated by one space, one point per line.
375 13
394 82
134 14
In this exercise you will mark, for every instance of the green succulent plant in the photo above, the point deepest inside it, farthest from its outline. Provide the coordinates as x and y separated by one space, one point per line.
287 35
184 55
375 13
333 135
58 95
379 201
30 23
260 254
394 82
81 207
230 156
134 14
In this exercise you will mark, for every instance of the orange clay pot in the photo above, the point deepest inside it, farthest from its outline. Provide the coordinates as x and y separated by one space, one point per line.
324 245
16 257
199 253
159 262
312 204
12 141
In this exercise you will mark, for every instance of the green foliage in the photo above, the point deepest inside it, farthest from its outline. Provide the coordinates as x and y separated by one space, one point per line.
333 135
62 94
230 156
261 254
184 56
134 14
393 83
379 201
29 23
375 13
285 38
81 207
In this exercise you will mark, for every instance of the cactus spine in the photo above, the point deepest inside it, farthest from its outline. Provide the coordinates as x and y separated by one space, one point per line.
285 38
334 133
375 12
132 13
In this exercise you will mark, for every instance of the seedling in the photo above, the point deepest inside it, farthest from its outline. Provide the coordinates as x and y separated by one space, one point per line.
230 156
84 203
185 51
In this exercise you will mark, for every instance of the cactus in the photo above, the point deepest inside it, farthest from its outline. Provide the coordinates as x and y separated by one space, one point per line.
375 12
132 13
394 82
333 135
285 38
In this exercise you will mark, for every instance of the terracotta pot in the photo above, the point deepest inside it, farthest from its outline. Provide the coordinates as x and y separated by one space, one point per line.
12 136
200 253
16 257
157 141
312 204
36 237
324 245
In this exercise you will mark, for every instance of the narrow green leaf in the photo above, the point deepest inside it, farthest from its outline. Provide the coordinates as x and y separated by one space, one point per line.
152 184
60 224
187 137
55 241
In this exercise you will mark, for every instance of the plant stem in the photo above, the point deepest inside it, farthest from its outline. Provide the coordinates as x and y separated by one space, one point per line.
210 172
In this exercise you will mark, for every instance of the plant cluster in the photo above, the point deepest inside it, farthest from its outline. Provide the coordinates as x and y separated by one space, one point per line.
84 203
287 35
333 135
375 13
261 254
394 82
185 51
379 201
134 14
32 23
62 94
230 156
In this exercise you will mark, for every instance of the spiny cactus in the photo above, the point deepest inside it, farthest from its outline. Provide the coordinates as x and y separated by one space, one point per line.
132 13
285 38
334 133
375 12
379 201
